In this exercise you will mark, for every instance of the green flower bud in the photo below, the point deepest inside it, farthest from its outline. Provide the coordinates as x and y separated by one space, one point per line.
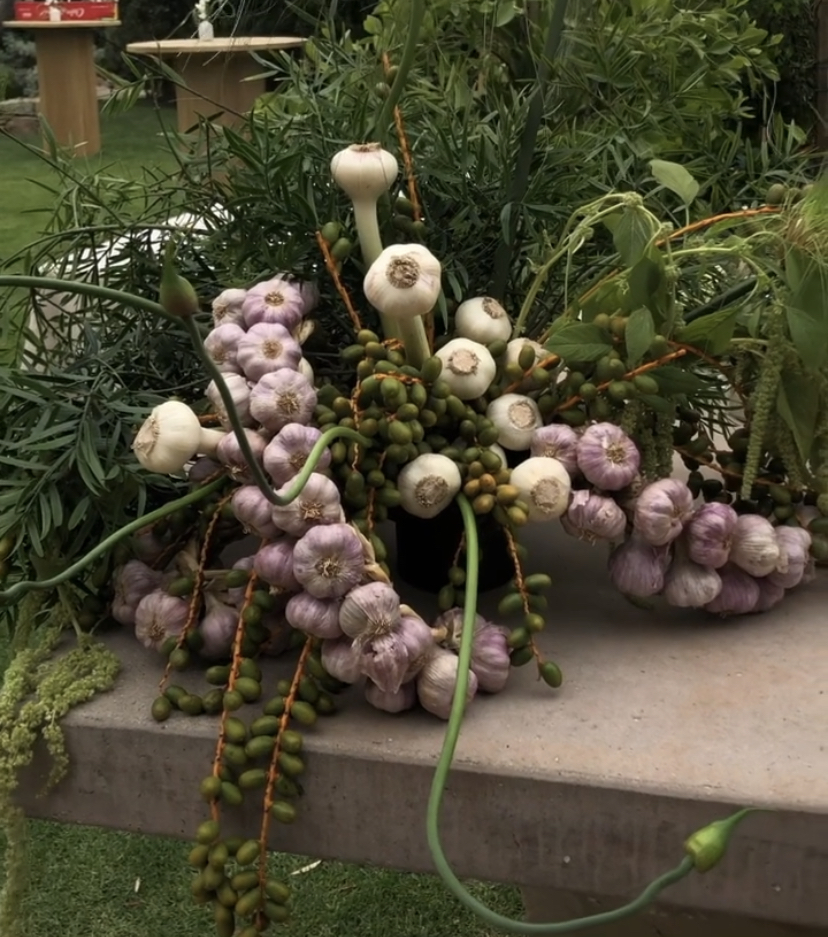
707 846
176 294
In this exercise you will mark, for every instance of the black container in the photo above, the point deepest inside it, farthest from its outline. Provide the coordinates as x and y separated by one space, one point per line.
426 549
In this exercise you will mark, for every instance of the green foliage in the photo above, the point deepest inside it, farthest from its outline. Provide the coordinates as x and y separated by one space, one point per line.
18 73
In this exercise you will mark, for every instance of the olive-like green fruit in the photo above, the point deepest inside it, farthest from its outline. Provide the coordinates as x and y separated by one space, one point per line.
277 891
645 384
213 701
431 370
284 687
210 788
248 852
534 622
303 713
179 658
236 578
250 931
537 582
521 656
217 675
225 921
276 913
235 731
231 795
551 674
617 391
191 704
181 586
249 901
218 856
265 725
260 747
161 709
325 705
252 779
250 689
207 832
174 694
776 194
341 248
287 787
291 741
226 895
212 877
511 604
308 690
519 637
198 856
250 668
282 811
235 755
275 706
244 881
445 598
526 358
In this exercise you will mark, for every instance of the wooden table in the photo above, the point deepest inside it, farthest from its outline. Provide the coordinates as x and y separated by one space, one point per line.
219 78
66 80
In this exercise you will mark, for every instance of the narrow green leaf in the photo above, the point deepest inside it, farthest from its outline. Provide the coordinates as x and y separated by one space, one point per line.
579 341
798 403
639 334
675 178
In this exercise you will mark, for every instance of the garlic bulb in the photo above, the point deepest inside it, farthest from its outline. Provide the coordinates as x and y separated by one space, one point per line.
437 681
253 511
404 698
661 511
240 392
288 451
468 367
168 438
328 561
305 369
316 617
282 397
404 281
794 544
739 595
688 585
637 568
159 616
133 581
556 441
516 346
342 660
227 307
428 484
202 469
265 348
384 660
594 517
770 594
418 640
483 320
516 418
709 534
217 628
273 563
370 611
755 548
544 484
222 345
490 657
146 546
364 171
607 457
229 453
274 301
317 503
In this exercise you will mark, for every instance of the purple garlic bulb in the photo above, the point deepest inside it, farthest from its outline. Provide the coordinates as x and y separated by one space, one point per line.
593 517
288 451
254 512
404 698
607 457
133 581
160 616
739 594
229 453
637 568
661 511
556 441
282 397
709 534
316 617
275 301
267 348
328 561
273 563
217 628
222 345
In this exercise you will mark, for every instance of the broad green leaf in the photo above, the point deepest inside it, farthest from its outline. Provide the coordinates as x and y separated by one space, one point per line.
606 297
658 404
807 312
711 333
675 178
579 341
673 381
505 12
647 285
633 234
639 334
798 403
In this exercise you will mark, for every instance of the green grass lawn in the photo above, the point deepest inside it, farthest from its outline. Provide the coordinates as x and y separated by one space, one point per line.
92 883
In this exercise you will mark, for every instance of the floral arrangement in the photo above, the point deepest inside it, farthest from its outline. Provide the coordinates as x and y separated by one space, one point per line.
476 425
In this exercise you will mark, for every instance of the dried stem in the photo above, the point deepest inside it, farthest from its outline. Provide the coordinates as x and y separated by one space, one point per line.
405 149
330 265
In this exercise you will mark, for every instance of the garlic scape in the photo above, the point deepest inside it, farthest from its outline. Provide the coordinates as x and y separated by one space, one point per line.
403 285
170 437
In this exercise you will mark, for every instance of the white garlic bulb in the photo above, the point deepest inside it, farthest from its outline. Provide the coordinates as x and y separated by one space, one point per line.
483 320
428 484
754 547
364 171
516 417
369 611
168 438
404 281
544 484
468 367
437 680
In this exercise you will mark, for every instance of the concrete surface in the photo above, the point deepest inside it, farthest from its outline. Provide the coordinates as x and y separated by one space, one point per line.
667 720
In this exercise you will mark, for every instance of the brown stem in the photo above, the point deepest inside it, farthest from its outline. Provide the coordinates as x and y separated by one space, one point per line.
340 287
405 149
549 362
521 585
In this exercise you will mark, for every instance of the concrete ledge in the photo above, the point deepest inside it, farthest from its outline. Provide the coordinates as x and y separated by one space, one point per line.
667 721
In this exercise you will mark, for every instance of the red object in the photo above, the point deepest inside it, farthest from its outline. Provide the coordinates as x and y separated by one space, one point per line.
71 11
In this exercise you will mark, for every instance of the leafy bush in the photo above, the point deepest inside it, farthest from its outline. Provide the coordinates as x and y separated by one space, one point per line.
18 74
